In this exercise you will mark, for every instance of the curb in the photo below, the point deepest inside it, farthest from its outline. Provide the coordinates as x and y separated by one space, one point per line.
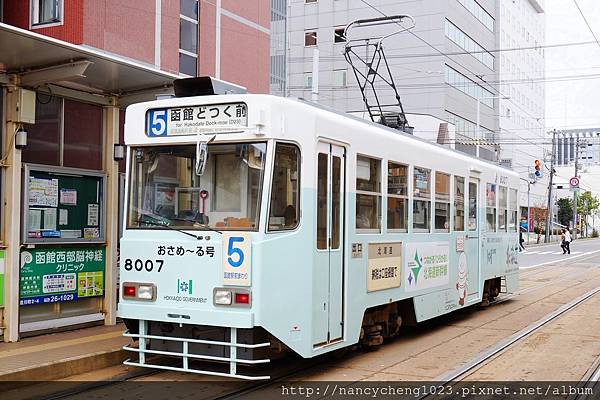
63 368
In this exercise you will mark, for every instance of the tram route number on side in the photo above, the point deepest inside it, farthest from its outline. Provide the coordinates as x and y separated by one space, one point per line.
143 265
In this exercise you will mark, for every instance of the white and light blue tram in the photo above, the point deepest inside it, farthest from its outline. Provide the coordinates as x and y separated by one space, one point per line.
257 225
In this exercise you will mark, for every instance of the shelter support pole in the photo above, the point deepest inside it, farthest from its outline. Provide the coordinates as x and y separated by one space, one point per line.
12 222
111 168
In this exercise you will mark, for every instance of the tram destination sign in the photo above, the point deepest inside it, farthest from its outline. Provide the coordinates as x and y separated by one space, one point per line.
193 120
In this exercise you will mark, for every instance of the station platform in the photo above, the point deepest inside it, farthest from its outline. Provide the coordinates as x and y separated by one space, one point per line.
58 355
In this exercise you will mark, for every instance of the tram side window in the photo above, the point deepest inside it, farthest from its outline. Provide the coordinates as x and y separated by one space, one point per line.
368 193
472 206
513 202
397 202
422 199
284 210
459 203
490 213
442 202
502 208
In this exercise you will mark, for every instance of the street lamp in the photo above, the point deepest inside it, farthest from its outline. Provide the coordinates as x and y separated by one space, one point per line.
478 134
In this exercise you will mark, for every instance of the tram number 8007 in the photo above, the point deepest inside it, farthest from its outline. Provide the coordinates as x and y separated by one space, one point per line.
140 265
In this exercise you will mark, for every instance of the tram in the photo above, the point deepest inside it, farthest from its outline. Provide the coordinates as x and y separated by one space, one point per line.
258 225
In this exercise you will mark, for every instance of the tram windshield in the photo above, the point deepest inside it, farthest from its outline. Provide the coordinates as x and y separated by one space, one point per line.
166 191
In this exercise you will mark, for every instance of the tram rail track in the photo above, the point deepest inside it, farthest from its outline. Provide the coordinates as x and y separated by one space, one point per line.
457 374
476 362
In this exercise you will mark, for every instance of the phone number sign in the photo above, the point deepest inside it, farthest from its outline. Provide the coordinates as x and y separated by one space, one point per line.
50 275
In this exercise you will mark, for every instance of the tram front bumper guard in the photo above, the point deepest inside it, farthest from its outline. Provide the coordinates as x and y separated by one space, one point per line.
186 356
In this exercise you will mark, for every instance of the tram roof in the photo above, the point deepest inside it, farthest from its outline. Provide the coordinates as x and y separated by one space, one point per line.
180 101
399 132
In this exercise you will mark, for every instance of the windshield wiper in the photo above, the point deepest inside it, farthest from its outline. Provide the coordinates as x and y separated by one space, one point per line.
169 227
196 222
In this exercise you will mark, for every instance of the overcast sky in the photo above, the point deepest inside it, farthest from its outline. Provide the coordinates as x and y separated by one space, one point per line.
572 103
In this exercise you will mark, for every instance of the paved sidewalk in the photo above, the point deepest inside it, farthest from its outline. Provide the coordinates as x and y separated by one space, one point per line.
58 355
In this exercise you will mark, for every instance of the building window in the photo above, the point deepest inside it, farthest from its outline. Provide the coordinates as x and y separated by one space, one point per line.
397 202
310 38
45 12
459 203
66 133
338 36
188 37
284 210
480 13
490 213
310 1
368 193
442 202
308 80
468 87
466 43
422 199
340 78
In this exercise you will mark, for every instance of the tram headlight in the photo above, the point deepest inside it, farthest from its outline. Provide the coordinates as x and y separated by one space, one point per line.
145 292
139 291
222 297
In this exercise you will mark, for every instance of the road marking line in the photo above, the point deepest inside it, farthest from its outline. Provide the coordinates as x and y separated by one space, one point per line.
530 252
546 252
559 260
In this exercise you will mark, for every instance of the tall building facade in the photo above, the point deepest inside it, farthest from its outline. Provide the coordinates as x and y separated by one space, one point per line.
521 61
583 144
441 67
227 39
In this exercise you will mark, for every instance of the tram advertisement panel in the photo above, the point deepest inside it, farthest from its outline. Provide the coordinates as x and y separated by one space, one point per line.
385 262
427 265
50 275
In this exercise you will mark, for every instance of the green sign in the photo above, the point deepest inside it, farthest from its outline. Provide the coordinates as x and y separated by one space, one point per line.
1 278
50 275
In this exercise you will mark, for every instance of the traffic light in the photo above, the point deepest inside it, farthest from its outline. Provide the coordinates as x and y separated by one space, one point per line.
538 168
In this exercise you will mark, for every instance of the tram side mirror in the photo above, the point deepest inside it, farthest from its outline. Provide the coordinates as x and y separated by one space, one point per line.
201 157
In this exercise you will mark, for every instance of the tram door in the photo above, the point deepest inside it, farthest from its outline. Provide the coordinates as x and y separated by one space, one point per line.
328 271
472 244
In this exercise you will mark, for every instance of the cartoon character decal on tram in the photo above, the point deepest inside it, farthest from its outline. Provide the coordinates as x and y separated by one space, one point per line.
462 281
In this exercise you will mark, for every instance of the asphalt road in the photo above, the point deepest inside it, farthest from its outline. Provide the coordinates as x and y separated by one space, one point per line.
539 255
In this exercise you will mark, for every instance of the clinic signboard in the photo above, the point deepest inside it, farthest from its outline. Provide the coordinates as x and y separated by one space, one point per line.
57 274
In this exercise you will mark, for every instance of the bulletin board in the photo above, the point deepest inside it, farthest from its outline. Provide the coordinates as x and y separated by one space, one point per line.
62 205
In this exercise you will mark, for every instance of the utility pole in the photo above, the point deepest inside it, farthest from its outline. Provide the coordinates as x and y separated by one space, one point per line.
577 145
549 209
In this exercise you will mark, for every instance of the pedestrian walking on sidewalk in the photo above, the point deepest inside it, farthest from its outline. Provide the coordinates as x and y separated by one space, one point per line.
521 240
568 241
565 241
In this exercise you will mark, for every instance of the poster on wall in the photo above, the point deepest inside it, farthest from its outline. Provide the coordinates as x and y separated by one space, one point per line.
427 265
51 275
385 264
43 192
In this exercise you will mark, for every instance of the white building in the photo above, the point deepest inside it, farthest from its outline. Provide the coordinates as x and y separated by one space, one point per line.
522 127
